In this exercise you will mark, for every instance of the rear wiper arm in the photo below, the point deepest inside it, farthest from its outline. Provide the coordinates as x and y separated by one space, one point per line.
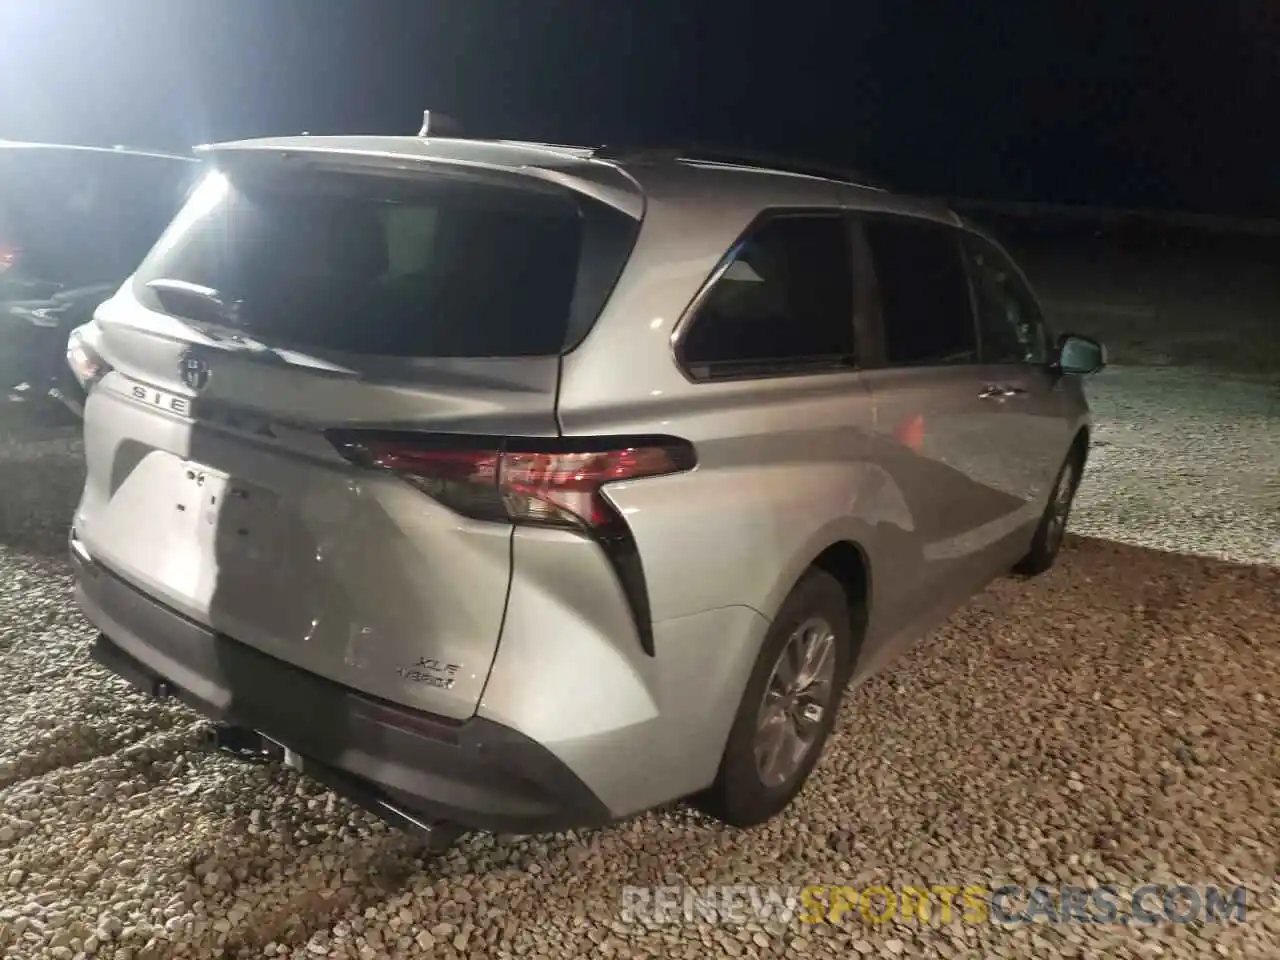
228 311
165 285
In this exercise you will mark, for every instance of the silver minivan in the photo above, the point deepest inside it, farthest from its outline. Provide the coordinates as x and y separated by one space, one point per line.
520 487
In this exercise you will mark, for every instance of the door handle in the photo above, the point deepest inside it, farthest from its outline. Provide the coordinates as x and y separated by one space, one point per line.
1000 392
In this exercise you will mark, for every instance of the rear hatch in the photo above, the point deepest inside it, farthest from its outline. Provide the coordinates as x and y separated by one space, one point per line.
297 301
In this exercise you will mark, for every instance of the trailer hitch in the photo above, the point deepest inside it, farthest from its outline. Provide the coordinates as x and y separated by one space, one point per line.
244 743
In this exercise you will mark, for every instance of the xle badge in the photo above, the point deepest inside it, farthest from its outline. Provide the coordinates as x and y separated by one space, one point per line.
434 673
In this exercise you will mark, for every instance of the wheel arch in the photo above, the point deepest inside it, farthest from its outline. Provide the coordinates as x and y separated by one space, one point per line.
849 564
844 558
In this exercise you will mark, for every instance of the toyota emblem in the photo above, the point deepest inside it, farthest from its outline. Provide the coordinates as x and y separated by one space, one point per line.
194 371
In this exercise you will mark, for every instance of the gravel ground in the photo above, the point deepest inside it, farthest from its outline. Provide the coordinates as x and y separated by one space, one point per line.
1184 461
1113 722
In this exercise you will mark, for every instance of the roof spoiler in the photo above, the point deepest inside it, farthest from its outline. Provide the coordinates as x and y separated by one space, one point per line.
446 155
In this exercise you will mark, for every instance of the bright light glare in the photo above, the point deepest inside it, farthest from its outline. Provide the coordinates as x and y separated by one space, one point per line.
203 201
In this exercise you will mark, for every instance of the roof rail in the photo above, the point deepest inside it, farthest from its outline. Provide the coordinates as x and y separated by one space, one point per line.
738 157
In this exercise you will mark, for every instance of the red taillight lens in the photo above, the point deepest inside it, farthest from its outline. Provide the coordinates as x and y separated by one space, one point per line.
8 256
564 488
85 363
463 480
553 482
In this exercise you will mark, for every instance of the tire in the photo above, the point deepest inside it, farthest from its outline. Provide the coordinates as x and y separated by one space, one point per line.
743 794
1047 541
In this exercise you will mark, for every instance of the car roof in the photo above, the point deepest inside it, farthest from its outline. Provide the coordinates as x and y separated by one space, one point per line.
620 177
81 148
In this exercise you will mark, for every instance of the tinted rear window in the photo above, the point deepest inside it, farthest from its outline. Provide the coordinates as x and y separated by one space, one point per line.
403 266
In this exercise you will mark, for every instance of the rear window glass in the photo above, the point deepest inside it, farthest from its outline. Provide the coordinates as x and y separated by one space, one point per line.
376 264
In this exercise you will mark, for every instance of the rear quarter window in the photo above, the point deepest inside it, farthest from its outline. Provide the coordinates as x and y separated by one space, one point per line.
782 304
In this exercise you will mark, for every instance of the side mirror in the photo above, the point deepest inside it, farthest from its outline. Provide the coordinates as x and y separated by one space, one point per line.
1080 356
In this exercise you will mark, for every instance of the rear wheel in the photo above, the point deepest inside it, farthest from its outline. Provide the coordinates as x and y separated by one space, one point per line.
1053 522
788 708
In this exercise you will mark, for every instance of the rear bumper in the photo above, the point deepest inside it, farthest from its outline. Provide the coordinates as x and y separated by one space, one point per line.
475 773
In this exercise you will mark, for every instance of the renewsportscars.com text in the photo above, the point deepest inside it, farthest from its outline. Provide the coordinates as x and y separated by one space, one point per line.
1006 905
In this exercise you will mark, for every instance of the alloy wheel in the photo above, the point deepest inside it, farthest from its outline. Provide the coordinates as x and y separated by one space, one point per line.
796 701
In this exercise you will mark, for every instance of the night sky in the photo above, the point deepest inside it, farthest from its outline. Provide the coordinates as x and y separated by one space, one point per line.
1156 104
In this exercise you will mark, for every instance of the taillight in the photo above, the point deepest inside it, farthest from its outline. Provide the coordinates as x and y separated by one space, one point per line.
86 364
8 256
553 482
556 482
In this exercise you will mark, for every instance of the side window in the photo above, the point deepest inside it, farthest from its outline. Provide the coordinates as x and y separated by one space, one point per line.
784 302
924 293
1012 328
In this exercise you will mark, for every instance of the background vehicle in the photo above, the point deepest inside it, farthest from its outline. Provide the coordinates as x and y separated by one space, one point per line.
525 487
74 221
